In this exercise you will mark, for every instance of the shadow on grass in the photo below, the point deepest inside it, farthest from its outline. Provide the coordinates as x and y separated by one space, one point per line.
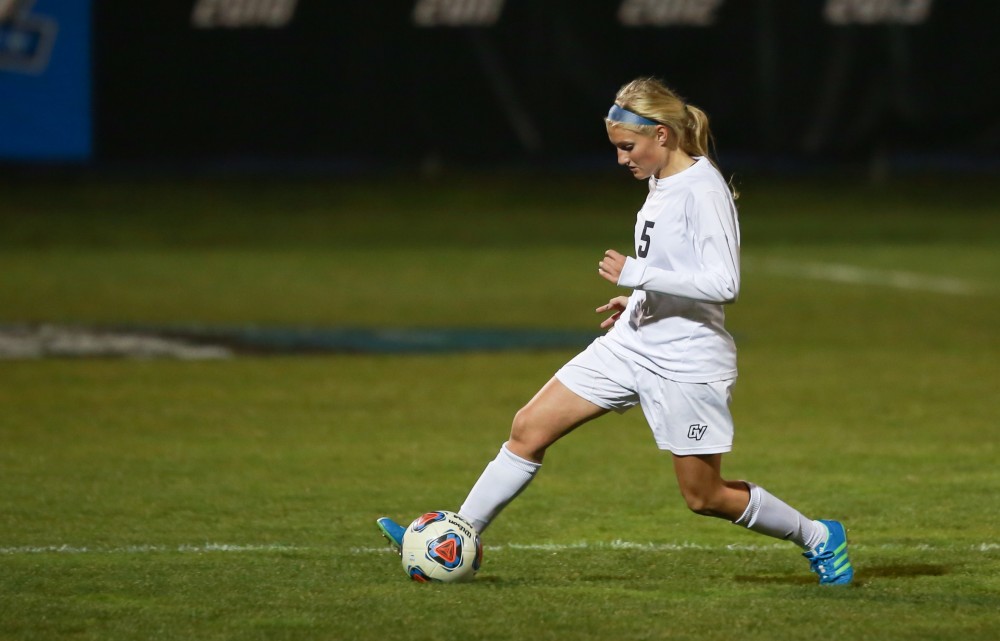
907 571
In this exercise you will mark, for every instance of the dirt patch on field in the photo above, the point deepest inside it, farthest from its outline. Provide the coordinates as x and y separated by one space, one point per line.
54 341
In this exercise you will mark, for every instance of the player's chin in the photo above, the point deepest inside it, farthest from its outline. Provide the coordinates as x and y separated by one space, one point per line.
639 174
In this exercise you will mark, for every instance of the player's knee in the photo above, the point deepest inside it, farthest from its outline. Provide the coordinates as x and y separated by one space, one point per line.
526 438
699 502
521 429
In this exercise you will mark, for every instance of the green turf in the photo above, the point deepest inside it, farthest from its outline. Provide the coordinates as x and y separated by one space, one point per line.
236 499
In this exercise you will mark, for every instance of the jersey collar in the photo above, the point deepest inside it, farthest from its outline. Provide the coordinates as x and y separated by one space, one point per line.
659 184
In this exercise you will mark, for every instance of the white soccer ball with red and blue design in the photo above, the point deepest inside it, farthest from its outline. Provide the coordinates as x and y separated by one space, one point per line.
441 546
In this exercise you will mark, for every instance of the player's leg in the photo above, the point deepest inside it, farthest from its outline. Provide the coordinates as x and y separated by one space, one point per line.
706 492
583 389
693 421
553 412
701 484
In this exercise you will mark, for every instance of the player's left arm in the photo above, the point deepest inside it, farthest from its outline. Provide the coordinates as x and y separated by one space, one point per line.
718 245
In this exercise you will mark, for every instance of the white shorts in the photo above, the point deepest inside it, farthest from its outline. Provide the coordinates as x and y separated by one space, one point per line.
686 418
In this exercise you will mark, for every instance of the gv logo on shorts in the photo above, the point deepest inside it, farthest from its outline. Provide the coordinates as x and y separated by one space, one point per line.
696 431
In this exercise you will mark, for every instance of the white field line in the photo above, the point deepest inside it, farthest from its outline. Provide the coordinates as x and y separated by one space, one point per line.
855 275
146 549
686 546
530 547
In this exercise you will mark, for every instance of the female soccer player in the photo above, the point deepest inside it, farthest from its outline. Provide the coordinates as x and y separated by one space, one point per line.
667 349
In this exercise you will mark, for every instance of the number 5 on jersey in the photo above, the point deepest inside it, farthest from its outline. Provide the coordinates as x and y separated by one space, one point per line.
644 239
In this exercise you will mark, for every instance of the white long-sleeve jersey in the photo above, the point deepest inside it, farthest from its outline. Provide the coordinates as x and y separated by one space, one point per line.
687 267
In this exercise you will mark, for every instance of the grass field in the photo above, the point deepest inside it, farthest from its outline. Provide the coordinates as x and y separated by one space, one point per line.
235 499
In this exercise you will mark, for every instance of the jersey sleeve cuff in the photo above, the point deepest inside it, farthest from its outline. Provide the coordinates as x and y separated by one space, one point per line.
632 273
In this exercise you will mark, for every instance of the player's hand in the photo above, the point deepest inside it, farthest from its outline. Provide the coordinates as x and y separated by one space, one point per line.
610 267
618 303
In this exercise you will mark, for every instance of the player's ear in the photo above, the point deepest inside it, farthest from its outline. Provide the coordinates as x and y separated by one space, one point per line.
662 134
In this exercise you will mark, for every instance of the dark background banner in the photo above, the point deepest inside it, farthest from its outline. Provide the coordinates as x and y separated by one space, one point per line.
486 80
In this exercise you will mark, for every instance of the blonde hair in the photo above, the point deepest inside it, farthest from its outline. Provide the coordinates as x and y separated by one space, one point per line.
652 99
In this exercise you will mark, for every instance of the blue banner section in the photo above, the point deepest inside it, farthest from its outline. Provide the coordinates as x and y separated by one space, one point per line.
45 80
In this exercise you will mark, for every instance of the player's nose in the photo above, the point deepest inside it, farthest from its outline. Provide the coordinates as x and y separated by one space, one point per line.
622 157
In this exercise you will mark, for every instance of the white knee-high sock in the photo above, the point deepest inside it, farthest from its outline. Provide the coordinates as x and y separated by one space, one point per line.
504 478
769 515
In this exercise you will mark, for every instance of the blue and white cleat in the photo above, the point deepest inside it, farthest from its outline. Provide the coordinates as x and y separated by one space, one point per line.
829 560
393 533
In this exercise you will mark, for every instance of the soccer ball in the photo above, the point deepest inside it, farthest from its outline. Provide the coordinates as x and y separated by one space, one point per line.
441 546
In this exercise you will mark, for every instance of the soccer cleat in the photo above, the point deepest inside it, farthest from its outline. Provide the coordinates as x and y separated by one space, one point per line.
393 533
829 560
